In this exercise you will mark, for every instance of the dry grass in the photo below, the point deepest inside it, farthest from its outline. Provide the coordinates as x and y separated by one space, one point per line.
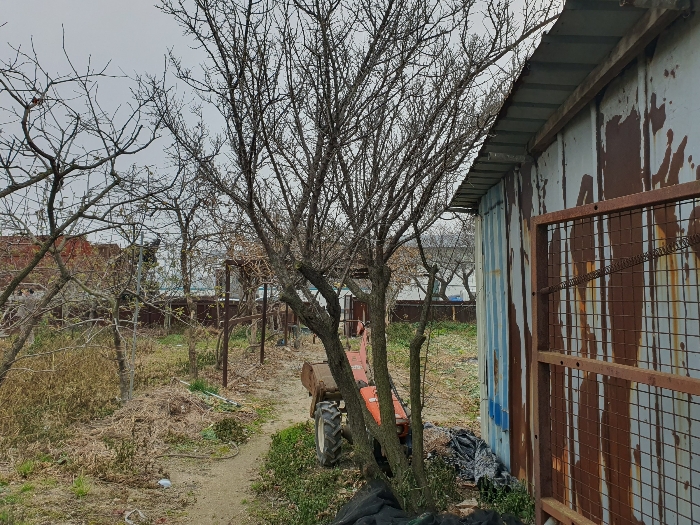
61 421
44 395
451 377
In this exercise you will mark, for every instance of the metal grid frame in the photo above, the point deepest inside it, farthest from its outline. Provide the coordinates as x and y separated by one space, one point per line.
558 367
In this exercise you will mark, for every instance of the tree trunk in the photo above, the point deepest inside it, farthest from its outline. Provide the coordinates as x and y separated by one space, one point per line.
417 460
191 334
122 364
386 433
191 331
325 326
28 325
465 281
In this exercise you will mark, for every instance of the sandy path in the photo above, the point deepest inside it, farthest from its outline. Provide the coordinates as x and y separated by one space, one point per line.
222 486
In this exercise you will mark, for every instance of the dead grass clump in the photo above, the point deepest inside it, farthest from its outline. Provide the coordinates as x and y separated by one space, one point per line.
124 446
43 395
436 441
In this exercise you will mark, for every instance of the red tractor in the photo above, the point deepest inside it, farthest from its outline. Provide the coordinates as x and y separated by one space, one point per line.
327 407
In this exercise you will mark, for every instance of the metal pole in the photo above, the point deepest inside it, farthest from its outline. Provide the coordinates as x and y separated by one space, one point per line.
227 315
136 319
286 324
264 321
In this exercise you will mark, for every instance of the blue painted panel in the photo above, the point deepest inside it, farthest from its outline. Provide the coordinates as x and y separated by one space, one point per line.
494 351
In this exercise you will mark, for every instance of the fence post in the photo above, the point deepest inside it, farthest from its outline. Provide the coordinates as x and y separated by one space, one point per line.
264 322
227 293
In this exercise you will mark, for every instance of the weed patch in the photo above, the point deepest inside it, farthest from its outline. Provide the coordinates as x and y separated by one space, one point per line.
80 487
124 453
303 492
10 517
400 333
201 385
442 483
82 385
451 370
26 468
230 429
508 500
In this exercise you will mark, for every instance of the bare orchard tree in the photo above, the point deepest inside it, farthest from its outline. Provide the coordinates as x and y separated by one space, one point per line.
186 207
449 245
59 151
112 283
59 155
346 126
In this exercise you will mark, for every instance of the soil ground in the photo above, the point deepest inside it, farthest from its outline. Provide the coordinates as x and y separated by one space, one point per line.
223 487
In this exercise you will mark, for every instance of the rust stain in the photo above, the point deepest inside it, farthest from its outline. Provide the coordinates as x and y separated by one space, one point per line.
496 376
622 164
586 472
520 442
694 228
623 175
669 170
669 175
657 115
556 340
526 191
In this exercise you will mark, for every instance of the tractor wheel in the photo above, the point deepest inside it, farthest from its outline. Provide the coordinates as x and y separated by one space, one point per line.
328 428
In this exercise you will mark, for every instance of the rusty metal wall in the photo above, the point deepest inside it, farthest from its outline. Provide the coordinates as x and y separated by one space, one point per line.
622 443
642 133
493 352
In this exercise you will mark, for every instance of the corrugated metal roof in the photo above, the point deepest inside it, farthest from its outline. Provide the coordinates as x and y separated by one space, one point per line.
582 37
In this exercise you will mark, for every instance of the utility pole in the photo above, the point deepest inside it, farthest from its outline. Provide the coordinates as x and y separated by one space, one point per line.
136 319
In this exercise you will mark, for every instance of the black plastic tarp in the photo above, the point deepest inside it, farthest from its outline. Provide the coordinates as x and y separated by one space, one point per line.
473 458
374 504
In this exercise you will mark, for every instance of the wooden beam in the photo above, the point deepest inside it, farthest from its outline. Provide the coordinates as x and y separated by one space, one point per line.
562 513
649 26
675 382
540 375
685 191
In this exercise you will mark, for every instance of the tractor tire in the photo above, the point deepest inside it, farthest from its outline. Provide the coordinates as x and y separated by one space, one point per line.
328 429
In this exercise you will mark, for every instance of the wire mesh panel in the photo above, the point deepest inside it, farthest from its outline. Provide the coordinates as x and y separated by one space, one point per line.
618 360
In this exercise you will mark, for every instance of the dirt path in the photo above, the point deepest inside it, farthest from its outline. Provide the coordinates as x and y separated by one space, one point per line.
221 487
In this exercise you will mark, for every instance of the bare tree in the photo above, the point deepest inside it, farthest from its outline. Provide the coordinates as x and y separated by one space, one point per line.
187 206
59 153
346 126
59 163
449 245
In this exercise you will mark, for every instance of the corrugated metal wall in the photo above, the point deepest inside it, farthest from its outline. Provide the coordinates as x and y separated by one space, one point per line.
643 132
494 349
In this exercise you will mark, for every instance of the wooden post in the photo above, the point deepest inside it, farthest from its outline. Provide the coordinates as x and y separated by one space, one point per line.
264 322
227 315
540 371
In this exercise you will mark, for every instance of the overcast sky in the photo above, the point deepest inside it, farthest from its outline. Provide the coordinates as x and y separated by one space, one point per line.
131 34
